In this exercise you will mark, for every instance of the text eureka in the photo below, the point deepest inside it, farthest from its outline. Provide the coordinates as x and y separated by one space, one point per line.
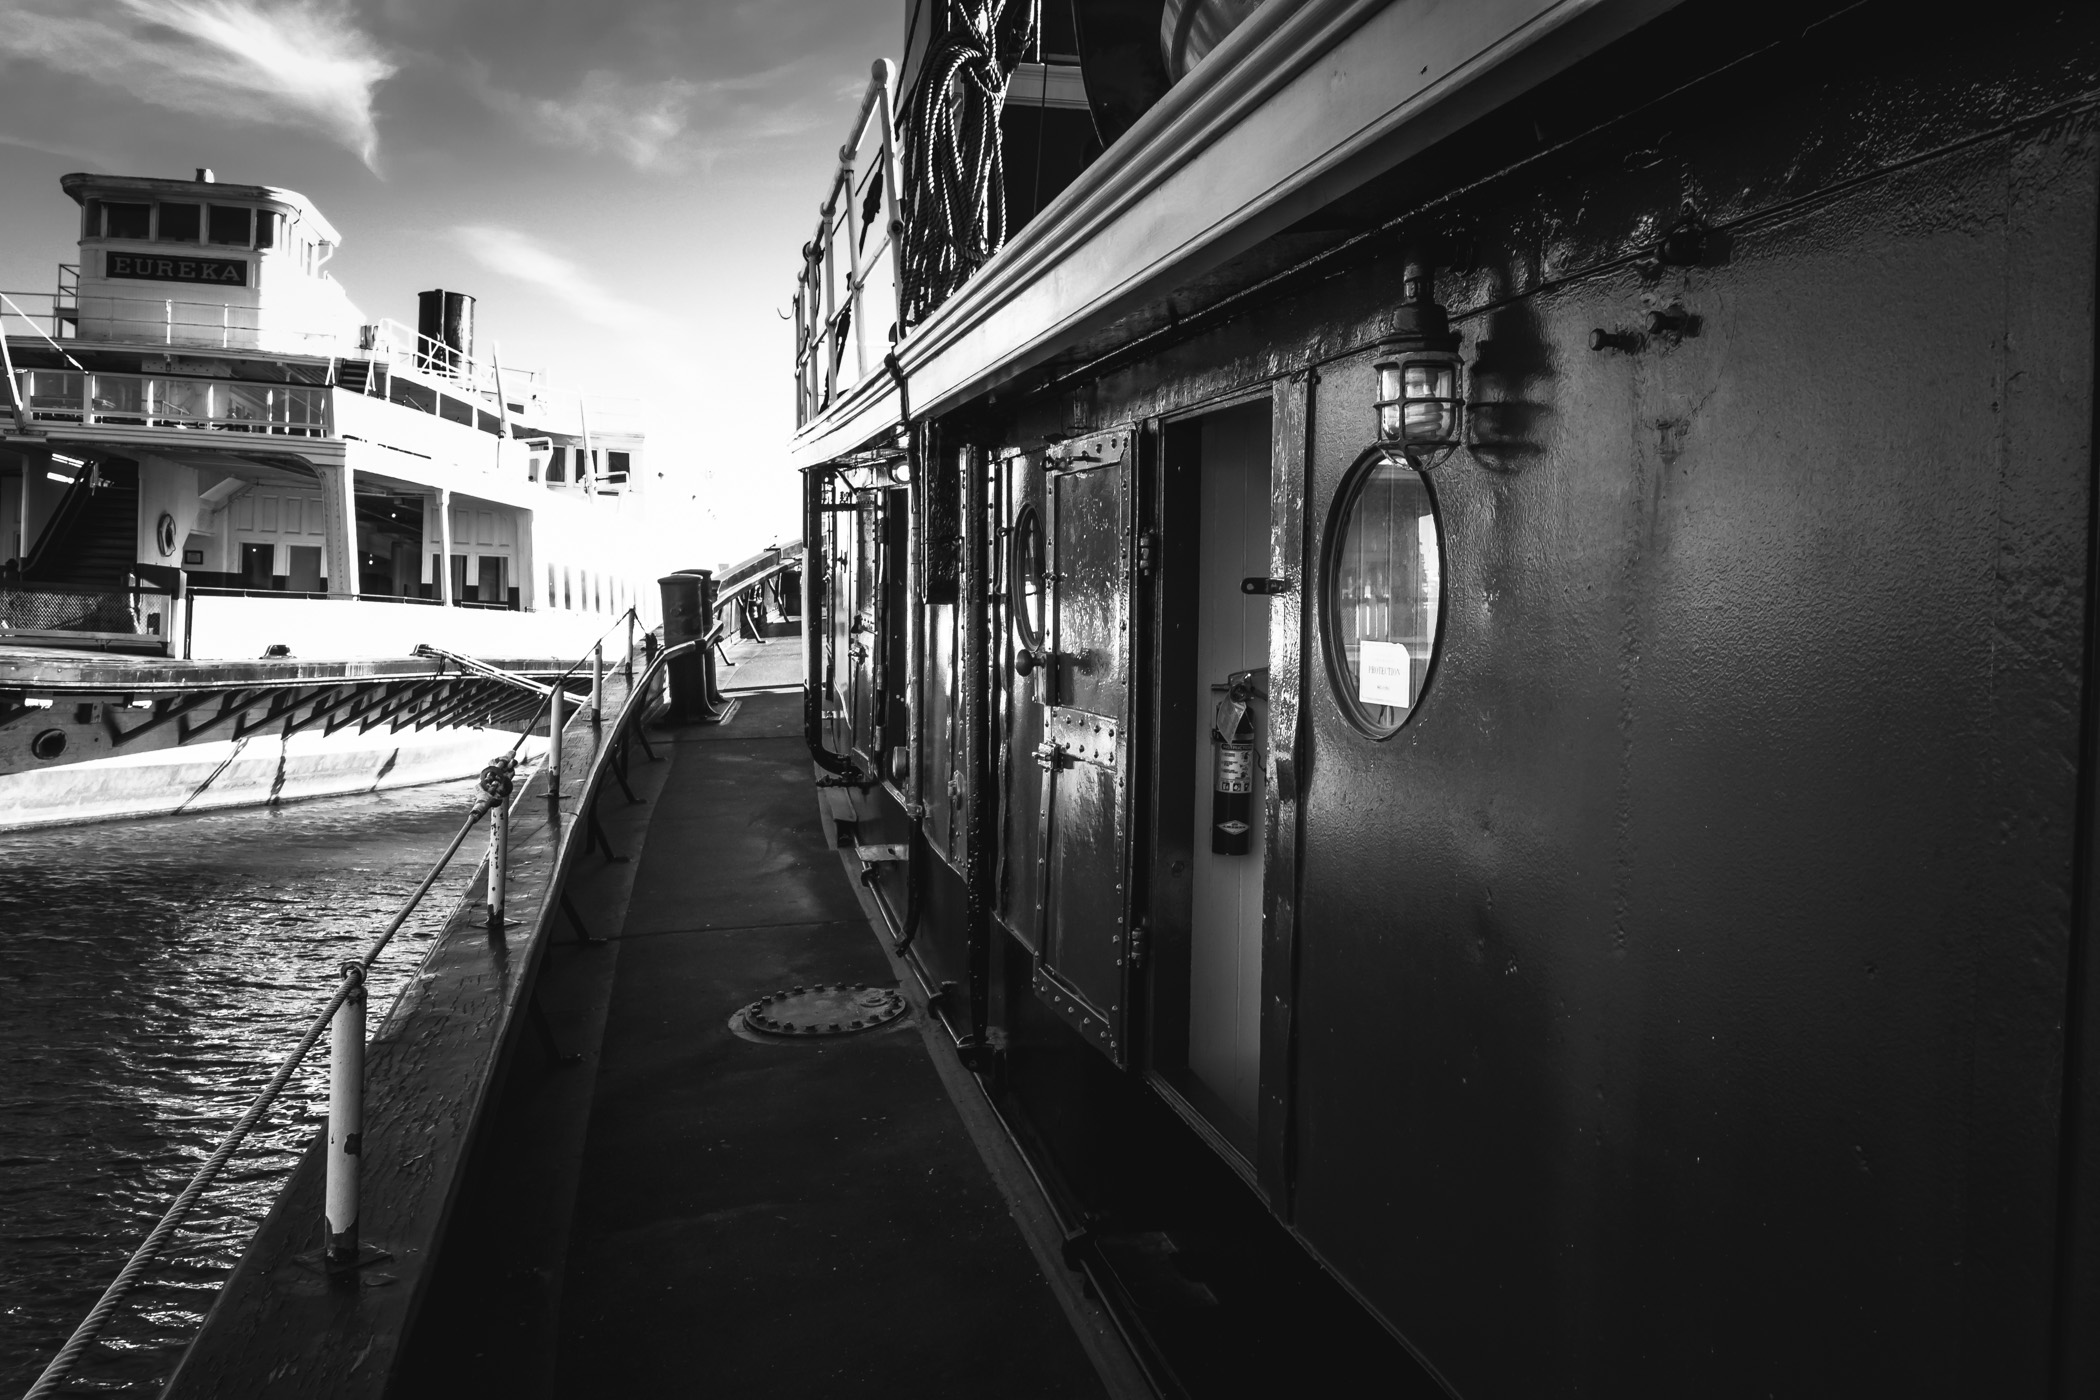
146 267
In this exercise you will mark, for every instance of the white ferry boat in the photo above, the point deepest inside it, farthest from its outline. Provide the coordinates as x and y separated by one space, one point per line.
216 467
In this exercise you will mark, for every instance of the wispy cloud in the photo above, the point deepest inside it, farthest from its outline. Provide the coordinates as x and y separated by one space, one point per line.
667 124
519 255
303 63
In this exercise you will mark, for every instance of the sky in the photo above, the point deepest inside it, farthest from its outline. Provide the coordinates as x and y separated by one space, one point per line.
625 185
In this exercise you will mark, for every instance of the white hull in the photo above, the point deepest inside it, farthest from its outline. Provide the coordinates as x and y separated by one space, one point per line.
252 772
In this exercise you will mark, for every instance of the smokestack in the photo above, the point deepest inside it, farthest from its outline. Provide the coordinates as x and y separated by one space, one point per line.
445 320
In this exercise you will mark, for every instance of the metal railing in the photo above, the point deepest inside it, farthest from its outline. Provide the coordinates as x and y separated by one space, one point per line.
171 401
845 279
219 325
342 1016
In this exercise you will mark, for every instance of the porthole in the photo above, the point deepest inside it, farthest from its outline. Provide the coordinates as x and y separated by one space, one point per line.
1024 577
49 744
1382 592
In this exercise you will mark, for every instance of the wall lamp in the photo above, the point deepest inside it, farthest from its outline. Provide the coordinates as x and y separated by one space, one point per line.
1421 410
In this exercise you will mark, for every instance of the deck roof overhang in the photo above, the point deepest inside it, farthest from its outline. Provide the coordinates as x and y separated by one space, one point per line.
1305 101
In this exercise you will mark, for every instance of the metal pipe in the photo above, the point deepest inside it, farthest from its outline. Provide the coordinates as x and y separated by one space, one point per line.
556 702
499 858
346 1119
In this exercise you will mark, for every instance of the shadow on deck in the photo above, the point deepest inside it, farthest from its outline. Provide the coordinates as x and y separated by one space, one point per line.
684 1209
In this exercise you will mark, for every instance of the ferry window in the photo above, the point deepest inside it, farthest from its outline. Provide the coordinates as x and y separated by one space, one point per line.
181 223
91 218
265 229
558 464
550 585
128 220
567 598
231 226
616 466
1382 594
1024 577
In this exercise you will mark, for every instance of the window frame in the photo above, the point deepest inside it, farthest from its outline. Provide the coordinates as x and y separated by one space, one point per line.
1341 685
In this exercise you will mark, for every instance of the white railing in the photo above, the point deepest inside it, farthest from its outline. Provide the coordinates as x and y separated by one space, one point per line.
166 401
852 268
216 325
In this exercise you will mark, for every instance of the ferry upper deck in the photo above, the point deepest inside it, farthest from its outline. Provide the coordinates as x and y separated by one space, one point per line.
198 413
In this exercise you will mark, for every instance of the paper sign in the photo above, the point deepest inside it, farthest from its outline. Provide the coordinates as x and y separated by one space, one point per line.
1384 673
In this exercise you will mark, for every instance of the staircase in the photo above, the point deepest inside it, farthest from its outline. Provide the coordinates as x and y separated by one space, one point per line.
92 540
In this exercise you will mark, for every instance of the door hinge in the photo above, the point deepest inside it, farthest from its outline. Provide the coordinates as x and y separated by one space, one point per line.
1139 940
1148 551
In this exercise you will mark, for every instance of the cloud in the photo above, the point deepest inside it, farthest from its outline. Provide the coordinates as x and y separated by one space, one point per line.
668 124
302 63
523 257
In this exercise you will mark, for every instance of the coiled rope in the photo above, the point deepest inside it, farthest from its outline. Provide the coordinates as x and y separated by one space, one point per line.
954 177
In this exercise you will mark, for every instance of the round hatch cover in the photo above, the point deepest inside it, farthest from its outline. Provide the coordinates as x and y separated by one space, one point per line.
832 1008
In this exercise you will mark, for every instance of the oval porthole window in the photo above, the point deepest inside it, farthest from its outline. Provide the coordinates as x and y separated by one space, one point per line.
1382 593
1024 577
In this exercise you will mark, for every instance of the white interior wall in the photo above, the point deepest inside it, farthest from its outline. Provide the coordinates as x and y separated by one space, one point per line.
1232 634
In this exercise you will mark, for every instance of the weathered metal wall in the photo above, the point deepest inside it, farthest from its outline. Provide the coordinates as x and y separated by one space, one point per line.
1678 1003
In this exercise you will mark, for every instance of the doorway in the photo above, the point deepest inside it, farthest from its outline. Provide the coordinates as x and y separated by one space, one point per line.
1212 747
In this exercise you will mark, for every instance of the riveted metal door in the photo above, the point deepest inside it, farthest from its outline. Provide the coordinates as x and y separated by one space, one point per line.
1083 833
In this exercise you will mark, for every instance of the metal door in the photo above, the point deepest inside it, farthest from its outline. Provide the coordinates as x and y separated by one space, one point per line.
1083 827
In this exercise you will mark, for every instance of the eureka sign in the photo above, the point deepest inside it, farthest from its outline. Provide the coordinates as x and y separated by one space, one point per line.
148 267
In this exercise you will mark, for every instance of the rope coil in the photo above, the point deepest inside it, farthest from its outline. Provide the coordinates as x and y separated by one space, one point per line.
954 176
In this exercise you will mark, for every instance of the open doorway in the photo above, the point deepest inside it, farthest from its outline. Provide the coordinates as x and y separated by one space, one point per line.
1212 739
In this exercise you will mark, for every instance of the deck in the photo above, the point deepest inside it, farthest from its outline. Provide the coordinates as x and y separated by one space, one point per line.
704 1210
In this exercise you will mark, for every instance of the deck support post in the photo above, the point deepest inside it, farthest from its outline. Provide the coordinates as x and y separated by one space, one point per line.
556 719
499 857
598 683
346 1122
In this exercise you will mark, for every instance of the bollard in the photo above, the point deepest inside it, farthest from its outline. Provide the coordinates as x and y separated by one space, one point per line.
555 720
346 1121
496 783
598 683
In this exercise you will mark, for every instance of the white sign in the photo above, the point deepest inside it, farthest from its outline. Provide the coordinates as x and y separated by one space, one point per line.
1383 674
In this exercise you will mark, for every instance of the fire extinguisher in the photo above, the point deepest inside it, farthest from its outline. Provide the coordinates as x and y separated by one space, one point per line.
1232 767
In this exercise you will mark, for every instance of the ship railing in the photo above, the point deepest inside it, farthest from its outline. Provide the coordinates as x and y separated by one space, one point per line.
342 1016
852 269
171 401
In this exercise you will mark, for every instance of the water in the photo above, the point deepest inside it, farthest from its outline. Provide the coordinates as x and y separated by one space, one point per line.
153 974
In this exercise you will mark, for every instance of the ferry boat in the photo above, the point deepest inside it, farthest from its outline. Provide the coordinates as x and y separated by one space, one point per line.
216 468
1450 653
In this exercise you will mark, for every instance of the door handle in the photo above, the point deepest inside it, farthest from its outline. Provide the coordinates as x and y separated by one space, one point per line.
1261 586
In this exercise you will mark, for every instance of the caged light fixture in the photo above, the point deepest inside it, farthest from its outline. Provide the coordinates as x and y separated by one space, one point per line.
1420 407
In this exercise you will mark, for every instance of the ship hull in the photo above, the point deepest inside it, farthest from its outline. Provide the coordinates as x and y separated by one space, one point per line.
254 771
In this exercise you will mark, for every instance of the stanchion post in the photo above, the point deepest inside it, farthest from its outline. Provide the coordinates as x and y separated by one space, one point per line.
496 782
556 719
628 665
346 1120
598 683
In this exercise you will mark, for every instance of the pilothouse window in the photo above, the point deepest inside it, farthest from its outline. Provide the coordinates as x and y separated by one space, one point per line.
127 220
1383 593
231 226
180 223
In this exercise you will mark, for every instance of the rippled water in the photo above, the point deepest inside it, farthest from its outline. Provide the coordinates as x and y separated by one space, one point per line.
152 974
